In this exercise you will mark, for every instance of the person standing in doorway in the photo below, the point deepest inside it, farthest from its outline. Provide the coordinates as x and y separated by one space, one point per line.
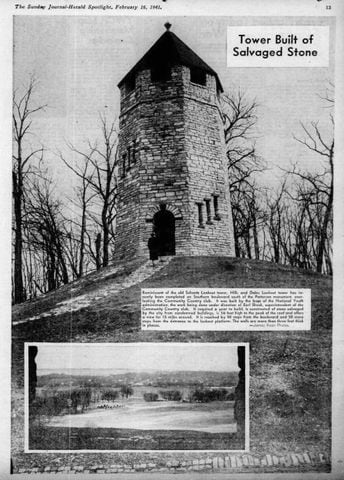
153 247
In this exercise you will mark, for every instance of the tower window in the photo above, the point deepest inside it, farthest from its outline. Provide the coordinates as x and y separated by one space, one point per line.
124 162
216 207
130 85
200 215
198 76
129 158
208 210
134 152
161 73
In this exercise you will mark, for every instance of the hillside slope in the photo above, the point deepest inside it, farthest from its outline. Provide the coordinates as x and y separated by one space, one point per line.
95 307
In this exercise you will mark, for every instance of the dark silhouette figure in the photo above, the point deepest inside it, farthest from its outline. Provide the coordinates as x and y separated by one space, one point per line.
153 246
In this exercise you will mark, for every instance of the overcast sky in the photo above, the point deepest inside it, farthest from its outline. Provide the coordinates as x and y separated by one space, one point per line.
139 357
79 61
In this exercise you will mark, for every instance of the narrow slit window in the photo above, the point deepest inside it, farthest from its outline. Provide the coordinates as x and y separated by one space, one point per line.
133 153
216 207
208 210
200 215
124 161
128 158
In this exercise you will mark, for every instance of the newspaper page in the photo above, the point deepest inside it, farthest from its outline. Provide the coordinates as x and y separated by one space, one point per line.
172 229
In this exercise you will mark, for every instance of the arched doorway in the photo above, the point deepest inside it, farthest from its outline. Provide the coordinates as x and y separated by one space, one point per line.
164 228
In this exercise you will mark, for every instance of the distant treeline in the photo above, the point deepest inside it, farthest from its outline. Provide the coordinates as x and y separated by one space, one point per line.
78 400
152 379
61 402
75 400
200 395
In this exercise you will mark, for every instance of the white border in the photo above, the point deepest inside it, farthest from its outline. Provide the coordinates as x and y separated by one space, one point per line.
132 344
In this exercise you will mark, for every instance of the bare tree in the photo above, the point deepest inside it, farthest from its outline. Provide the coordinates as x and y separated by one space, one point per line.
248 220
97 172
292 225
275 221
83 200
317 188
239 118
23 155
46 235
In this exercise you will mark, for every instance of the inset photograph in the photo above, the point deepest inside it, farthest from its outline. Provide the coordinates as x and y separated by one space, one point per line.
136 396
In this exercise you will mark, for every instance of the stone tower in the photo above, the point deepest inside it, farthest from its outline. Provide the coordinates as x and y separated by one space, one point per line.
173 176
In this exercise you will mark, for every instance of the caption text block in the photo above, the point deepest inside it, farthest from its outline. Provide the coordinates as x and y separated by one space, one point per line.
225 309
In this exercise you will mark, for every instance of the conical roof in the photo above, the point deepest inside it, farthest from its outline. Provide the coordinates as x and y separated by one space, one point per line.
169 49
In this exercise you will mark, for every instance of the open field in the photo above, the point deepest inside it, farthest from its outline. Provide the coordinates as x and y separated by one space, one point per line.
213 417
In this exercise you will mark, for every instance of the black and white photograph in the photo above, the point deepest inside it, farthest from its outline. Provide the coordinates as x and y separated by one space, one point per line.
155 151
146 396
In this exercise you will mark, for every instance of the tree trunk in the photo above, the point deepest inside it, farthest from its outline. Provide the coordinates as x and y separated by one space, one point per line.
61 260
236 241
255 238
248 243
323 232
51 267
19 295
106 235
98 246
82 239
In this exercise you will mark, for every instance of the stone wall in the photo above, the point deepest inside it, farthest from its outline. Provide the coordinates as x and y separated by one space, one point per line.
208 171
175 130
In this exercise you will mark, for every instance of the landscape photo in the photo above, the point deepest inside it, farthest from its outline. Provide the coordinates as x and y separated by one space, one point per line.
135 397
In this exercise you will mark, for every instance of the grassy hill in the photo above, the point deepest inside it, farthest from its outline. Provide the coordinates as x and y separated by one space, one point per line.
290 372
113 316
